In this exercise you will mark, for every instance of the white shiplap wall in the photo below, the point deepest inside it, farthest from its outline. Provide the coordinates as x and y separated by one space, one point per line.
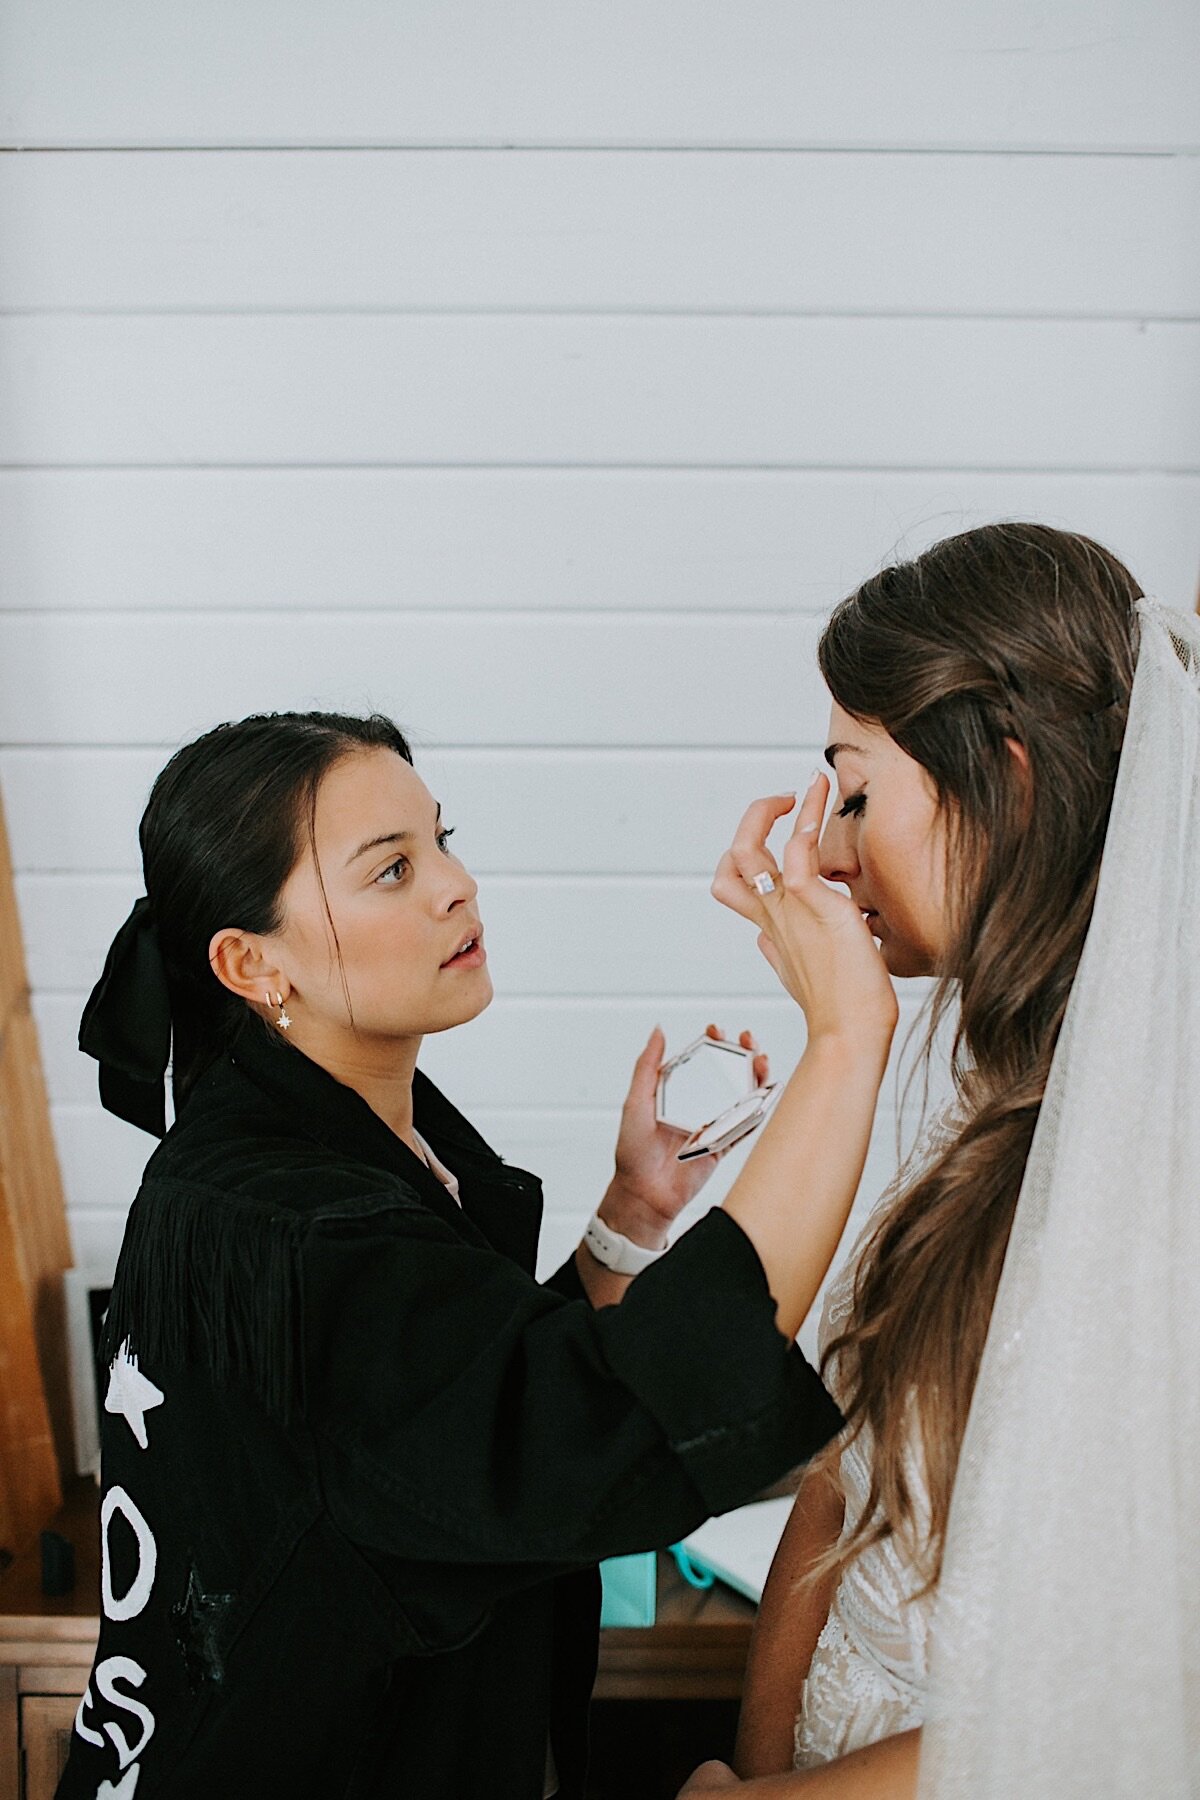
542 377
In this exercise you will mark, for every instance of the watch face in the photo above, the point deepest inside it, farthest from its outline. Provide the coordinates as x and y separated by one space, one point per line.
708 1092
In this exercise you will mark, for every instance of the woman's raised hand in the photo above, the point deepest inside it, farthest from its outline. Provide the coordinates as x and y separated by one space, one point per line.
649 1174
813 936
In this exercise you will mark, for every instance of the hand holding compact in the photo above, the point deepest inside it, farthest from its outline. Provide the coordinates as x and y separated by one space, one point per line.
813 936
649 1175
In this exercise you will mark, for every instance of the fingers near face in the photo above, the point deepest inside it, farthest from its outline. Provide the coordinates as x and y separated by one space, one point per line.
812 807
759 820
749 847
731 888
802 855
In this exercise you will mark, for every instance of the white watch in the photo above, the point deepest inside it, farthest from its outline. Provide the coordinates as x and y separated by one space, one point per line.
617 1252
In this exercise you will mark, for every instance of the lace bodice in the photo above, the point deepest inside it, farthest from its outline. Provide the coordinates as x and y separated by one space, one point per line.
869 1671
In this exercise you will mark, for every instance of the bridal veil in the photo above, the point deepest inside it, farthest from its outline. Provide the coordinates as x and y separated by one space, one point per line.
1067 1640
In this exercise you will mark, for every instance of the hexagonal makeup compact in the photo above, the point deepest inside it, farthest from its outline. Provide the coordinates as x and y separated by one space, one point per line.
708 1091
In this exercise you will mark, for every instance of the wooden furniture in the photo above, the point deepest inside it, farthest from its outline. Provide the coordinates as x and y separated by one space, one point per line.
35 1408
696 1651
46 1650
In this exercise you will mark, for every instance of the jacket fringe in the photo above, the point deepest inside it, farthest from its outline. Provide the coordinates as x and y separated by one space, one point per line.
211 1281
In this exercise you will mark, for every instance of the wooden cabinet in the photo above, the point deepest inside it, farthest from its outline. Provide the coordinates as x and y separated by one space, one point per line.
46 1723
46 1650
695 1650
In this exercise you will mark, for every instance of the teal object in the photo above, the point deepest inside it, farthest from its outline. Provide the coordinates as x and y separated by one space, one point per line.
694 1573
629 1586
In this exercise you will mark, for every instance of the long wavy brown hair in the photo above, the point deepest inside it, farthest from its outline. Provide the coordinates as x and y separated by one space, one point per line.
1014 632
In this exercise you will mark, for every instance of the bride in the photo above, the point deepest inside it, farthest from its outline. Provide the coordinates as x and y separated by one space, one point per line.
1041 1636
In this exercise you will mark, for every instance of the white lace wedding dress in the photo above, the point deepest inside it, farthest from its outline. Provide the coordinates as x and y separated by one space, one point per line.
868 1674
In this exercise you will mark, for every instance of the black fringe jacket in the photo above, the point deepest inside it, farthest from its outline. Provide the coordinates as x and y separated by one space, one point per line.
358 1464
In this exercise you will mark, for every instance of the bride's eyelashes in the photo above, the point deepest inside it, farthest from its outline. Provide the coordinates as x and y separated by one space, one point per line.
851 808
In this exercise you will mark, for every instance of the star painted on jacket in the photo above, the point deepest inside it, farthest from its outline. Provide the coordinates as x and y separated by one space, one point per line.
124 1788
130 1393
198 1621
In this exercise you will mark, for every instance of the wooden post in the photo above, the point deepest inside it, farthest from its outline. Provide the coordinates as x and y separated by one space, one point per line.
35 1409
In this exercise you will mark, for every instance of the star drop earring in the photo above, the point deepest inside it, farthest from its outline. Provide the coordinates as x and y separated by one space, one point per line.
283 1021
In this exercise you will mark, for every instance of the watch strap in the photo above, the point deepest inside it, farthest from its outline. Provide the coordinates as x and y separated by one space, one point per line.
616 1251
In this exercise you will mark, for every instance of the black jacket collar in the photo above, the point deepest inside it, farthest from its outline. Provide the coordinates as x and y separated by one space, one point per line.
502 1202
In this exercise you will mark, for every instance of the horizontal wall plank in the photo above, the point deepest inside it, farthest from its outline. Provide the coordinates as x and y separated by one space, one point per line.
96 1240
706 72
455 680
310 539
593 812
652 936
548 1054
563 389
819 232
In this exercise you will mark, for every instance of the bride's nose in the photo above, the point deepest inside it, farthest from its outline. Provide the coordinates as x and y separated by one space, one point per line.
838 856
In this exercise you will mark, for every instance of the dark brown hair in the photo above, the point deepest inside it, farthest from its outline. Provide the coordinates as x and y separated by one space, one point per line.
1013 632
223 829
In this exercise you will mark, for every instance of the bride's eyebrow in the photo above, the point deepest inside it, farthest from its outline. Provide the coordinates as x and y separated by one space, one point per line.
833 751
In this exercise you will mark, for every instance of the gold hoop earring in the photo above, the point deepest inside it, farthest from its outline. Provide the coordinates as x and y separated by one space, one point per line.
283 1022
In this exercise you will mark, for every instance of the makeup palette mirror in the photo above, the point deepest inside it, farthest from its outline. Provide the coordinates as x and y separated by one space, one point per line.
708 1091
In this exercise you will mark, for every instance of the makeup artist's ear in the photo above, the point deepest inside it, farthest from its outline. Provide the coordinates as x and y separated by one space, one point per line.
240 962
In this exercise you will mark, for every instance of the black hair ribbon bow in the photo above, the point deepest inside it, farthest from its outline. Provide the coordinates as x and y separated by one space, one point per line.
126 1025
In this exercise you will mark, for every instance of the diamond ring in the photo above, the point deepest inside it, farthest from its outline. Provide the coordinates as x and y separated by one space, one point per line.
764 883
